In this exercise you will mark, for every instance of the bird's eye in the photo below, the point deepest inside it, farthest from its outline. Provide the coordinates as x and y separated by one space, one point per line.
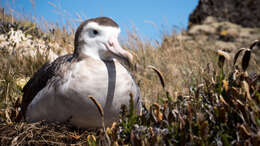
95 32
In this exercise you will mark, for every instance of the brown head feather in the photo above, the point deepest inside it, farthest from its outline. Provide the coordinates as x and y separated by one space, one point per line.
105 21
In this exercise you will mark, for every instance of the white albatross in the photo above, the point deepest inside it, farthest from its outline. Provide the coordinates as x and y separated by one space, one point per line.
60 90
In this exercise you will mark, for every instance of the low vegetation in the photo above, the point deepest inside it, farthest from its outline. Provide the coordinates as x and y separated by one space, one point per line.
192 93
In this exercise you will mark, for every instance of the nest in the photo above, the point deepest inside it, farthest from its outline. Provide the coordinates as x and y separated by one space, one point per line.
42 133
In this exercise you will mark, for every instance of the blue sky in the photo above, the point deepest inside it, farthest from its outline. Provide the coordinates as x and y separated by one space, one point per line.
149 17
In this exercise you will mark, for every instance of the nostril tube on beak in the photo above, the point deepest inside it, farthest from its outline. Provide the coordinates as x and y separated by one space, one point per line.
110 43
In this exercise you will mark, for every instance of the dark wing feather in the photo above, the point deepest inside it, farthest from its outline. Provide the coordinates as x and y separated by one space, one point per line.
39 81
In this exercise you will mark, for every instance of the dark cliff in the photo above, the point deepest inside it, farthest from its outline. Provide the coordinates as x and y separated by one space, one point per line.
242 12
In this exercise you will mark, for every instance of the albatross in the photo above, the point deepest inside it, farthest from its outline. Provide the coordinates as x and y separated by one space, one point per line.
60 90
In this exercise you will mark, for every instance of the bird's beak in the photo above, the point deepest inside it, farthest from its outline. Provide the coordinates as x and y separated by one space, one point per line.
114 47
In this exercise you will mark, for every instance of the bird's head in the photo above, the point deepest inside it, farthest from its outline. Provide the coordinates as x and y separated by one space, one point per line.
98 38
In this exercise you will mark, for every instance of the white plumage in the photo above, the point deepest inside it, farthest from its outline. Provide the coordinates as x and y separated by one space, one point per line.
60 90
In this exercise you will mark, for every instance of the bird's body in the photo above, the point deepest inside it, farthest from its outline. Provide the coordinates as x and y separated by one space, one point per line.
60 91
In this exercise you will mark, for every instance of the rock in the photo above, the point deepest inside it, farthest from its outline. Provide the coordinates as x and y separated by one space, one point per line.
16 36
16 42
225 46
224 30
205 29
243 12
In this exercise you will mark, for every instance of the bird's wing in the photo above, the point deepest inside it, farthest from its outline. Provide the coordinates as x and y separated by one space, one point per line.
138 97
40 79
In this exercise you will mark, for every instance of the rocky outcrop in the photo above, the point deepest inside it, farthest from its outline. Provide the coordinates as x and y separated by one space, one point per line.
212 34
243 12
25 39
224 30
17 43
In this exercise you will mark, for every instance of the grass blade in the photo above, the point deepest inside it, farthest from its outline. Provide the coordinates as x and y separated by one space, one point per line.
159 75
246 59
237 54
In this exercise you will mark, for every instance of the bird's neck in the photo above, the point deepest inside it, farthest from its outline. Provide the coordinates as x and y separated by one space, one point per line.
84 52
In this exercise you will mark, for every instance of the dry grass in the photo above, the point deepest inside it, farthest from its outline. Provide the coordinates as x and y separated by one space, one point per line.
181 64
196 94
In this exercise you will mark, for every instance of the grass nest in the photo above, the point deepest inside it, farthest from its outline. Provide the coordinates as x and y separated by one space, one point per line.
223 110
